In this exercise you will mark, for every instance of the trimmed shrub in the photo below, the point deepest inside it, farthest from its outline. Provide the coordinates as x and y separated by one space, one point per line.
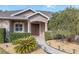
2 34
25 45
16 36
48 36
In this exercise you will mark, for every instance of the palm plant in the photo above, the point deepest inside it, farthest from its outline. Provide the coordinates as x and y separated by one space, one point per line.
25 45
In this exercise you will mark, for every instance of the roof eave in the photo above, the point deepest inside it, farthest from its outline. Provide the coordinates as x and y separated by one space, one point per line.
15 18
22 11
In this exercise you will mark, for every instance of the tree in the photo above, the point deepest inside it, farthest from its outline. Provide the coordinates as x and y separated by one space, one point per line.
67 19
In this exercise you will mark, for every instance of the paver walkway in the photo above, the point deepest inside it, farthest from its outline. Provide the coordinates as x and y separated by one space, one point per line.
42 43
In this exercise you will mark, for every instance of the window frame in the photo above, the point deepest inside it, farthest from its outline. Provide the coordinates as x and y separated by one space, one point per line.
18 23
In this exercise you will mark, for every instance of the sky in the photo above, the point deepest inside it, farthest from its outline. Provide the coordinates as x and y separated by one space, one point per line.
52 8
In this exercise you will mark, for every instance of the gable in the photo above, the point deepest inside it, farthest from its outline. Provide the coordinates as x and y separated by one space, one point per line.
38 17
24 13
27 13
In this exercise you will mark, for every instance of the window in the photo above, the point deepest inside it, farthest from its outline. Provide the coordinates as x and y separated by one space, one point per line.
18 27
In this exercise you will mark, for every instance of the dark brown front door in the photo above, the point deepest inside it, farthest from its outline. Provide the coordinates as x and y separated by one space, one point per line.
35 29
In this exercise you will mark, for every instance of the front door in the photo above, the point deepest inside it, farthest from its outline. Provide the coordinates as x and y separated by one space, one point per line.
35 29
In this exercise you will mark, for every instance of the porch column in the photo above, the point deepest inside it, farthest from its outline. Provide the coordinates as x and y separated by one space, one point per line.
46 27
29 27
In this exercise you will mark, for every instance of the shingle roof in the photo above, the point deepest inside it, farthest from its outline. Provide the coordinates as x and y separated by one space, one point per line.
6 14
47 13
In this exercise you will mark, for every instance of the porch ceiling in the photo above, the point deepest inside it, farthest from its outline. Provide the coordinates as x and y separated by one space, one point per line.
36 22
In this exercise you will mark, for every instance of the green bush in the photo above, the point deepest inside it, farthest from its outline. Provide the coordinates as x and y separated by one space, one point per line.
48 36
53 35
59 36
2 34
25 45
16 36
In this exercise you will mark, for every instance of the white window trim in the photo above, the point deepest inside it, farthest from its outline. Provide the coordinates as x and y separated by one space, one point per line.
22 27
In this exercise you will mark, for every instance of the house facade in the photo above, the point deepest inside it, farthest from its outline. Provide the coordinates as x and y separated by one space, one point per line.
28 21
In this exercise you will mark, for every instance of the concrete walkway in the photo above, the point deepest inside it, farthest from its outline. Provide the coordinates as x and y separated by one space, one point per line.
42 43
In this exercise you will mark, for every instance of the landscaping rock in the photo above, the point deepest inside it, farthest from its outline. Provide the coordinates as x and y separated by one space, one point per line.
76 37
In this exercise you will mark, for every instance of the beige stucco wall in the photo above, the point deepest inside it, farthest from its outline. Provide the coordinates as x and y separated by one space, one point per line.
38 18
27 13
5 24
